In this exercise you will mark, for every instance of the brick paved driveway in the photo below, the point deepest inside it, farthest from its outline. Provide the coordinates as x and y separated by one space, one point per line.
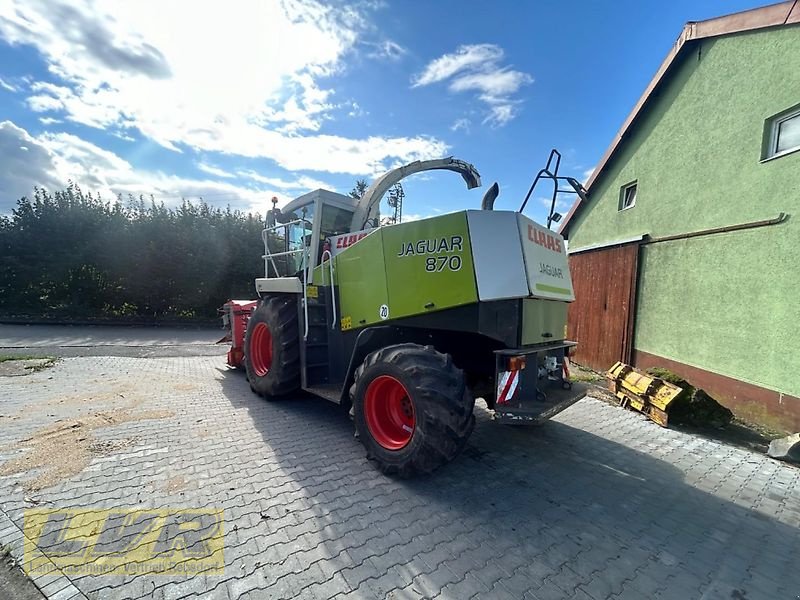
596 504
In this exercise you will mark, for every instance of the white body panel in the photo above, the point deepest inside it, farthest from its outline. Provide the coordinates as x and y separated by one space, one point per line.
280 285
515 257
497 254
546 261
325 195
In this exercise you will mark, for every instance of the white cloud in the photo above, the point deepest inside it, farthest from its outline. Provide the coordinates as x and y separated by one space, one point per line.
8 86
388 50
301 184
21 170
216 171
356 111
477 68
461 125
246 80
51 160
475 56
587 174
491 84
500 114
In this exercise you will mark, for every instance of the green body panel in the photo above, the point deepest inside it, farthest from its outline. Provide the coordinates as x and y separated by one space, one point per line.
429 265
360 274
320 276
540 317
423 267
724 303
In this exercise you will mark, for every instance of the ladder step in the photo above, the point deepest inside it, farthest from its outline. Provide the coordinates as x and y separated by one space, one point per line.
331 391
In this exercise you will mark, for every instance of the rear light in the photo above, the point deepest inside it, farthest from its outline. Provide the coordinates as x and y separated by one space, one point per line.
516 363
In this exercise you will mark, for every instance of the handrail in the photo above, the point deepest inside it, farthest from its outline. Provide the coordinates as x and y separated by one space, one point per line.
551 173
283 253
305 294
268 254
333 296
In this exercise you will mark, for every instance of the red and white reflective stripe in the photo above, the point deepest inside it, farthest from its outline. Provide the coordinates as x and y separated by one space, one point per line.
507 386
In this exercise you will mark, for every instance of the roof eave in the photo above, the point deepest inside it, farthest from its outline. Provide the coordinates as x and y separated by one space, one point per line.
775 15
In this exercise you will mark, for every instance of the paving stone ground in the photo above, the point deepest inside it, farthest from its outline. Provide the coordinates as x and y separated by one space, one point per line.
598 503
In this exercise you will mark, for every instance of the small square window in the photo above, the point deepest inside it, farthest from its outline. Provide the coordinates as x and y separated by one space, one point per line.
627 196
784 134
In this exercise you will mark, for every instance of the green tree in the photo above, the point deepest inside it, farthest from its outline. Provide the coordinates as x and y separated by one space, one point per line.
359 189
394 198
72 254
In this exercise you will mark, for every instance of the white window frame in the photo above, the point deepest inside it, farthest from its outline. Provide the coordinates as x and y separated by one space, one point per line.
623 192
774 126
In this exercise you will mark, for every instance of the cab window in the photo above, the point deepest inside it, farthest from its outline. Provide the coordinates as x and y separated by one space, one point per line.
335 221
287 241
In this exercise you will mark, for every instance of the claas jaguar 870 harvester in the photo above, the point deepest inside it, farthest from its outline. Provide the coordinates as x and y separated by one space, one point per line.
408 323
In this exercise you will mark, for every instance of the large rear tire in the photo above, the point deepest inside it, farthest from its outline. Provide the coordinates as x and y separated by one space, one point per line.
412 409
272 347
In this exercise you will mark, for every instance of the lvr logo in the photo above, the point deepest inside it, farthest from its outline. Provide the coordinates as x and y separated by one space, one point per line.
544 239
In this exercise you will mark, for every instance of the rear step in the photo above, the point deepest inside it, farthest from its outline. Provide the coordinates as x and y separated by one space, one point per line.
533 412
532 384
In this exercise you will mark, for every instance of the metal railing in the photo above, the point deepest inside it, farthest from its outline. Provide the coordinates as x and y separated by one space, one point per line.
269 258
268 255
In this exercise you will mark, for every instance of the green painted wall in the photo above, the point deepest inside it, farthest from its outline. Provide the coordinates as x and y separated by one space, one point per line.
726 303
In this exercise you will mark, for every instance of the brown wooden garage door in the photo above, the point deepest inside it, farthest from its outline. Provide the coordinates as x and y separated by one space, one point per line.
601 318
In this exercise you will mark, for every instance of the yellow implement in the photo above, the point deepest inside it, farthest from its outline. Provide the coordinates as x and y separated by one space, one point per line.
645 393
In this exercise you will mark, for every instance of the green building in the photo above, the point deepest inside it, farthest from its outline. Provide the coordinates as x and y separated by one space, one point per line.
686 253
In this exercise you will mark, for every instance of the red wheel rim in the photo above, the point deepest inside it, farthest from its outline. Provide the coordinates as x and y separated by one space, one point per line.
389 412
261 349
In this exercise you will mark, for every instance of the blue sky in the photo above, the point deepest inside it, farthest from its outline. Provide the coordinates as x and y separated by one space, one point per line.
237 102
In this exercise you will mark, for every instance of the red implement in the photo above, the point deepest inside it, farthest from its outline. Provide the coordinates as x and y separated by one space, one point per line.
235 314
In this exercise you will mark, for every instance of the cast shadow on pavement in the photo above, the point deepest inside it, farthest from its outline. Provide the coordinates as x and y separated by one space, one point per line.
531 508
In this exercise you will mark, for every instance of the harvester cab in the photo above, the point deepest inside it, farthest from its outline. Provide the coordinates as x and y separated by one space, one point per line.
407 324
295 236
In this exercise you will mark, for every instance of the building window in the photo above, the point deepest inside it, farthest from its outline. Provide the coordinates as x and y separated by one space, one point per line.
784 133
627 196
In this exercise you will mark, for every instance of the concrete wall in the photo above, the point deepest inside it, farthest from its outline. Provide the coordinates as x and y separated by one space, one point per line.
728 303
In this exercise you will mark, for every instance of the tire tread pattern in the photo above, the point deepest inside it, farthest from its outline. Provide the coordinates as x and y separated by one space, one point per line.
280 315
442 402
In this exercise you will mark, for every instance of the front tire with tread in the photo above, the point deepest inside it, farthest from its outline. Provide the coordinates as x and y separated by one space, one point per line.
279 314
